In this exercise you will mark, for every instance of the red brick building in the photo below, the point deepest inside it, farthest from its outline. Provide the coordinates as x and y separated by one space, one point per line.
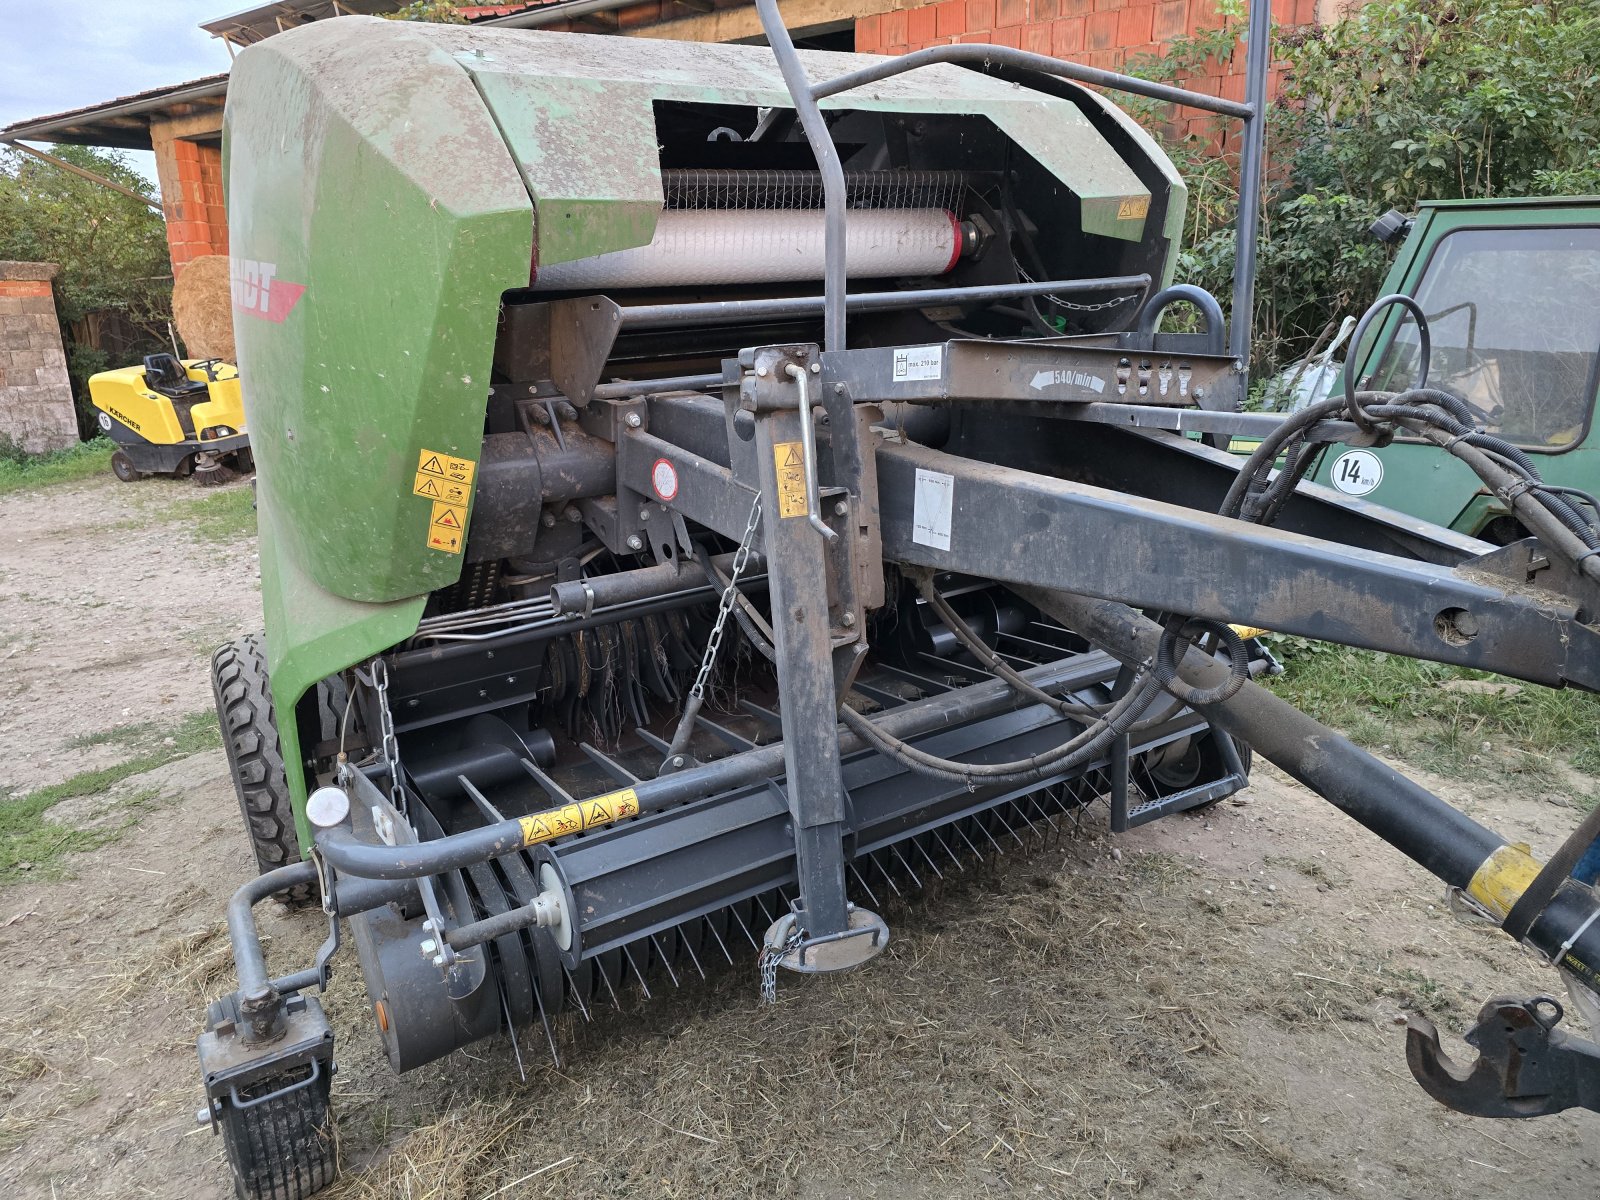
182 124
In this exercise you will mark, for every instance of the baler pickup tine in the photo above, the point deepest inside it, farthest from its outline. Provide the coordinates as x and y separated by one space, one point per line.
1016 806
765 715
649 739
662 955
722 944
946 846
723 734
572 990
923 850
754 945
880 697
862 880
693 957
605 978
888 878
638 974
618 772
915 881
544 1018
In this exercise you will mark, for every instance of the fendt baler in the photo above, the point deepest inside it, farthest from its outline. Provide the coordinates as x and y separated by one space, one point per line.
707 491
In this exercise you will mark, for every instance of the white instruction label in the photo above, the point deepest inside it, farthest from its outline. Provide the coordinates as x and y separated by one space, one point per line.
932 505
919 362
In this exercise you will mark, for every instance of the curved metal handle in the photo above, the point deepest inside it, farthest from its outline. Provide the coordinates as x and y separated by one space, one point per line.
1150 314
808 451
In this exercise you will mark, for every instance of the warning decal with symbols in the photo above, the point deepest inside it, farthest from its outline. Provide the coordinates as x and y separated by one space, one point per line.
791 464
447 527
447 481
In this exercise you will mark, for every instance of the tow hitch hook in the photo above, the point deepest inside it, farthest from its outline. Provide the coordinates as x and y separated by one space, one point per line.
1526 1067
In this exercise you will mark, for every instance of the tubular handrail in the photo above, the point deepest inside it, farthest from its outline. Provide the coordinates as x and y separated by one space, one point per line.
805 95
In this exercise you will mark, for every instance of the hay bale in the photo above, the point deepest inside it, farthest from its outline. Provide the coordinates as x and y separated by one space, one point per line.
202 308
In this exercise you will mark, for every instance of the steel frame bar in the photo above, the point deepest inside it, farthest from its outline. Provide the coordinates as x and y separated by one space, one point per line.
1017 527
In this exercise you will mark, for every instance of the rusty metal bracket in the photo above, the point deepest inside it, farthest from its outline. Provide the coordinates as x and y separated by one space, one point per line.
1526 1067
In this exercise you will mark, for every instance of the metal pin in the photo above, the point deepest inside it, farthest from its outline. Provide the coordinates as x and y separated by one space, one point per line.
693 957
888 878
734 913
915 882
720 942
572 990
948 851
862 880
921 849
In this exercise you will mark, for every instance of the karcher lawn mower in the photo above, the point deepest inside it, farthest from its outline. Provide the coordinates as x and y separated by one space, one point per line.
174 417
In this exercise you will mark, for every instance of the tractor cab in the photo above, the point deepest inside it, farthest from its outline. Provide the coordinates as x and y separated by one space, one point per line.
1511 291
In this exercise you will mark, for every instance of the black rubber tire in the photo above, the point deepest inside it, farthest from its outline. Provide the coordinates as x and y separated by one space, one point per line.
255 757
122 467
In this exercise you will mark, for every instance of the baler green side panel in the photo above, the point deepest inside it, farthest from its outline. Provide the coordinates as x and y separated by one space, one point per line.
375 218
576 112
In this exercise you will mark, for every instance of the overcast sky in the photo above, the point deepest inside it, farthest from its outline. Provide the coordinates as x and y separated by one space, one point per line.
62 54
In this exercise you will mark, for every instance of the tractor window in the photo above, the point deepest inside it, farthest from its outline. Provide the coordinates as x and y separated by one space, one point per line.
1515 320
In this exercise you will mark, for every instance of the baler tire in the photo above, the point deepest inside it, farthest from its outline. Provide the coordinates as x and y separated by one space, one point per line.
255 758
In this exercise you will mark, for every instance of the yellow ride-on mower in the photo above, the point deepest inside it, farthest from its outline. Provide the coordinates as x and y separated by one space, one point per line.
172 417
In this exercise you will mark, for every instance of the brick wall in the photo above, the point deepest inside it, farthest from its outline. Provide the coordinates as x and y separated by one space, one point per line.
1098 33
190 172
35 396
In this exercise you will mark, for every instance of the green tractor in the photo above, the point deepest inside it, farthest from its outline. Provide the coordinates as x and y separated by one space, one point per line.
1511 292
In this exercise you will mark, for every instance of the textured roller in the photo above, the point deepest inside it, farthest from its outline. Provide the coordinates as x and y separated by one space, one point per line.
728 246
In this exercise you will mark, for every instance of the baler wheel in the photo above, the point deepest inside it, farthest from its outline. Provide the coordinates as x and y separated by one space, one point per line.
255 757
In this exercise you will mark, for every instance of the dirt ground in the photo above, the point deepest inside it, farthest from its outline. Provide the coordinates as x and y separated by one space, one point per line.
1206 1007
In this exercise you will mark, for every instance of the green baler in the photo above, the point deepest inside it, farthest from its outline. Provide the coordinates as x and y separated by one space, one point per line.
698 505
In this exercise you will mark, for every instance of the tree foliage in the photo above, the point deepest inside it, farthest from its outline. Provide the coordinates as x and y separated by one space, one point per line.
112 249
1400 101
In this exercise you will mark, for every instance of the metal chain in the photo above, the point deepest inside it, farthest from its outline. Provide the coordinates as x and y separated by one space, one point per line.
388 744
767 965
730 595
1088 308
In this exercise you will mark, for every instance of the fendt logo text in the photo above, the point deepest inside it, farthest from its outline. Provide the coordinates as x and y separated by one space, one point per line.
257 290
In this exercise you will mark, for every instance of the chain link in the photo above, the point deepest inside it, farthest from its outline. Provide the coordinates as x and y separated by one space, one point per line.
388 744
730 594
771 956
1088 308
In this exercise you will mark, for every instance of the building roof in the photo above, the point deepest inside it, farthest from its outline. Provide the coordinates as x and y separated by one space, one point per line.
261 22
124 122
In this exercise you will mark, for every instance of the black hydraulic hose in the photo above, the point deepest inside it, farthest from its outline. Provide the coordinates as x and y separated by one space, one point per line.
1424 343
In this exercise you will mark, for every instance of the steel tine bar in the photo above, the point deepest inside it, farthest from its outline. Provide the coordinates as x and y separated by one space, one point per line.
923 850
662 955
984 829
765 715
651 740
572 990
976 853
946 847
888 878
693 957
511 1032
1038 807
862 880
609 765
915 881
544 1018
606 979
765 911
1016 806
720 942
723 734
754 945
638 974
998 816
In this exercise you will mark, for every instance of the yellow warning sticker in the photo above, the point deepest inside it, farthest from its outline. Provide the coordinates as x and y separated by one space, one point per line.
1133 208
575 818
791 464
446 466
447 527
437 487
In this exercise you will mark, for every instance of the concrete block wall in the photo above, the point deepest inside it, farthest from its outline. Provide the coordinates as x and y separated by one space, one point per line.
35 394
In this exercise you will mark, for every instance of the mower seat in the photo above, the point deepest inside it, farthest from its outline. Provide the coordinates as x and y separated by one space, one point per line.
165 374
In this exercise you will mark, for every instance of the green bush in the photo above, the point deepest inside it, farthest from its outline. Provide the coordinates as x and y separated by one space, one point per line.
1400 101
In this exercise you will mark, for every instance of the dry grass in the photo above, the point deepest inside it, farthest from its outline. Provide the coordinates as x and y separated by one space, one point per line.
1031 1034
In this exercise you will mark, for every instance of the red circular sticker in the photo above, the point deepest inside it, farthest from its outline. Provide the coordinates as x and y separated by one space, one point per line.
664 479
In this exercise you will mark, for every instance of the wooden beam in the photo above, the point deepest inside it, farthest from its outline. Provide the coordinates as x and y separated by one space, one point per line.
64 165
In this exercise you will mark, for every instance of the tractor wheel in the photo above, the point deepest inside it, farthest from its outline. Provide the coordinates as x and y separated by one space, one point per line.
282 1148
122 467
255 758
